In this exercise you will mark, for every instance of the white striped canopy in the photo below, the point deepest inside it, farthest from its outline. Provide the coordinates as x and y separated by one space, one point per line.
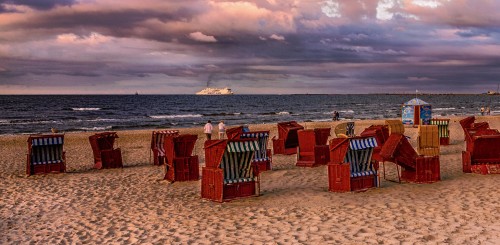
242 146
360 144
159 139
262 138
47 154
47 141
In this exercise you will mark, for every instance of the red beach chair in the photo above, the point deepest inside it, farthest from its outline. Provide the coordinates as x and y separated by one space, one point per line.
483 154
233 133
288 139
262 160
180 165
105 155
415 168
45 154
381 134
468 123
228 171
313 148
157 143
351 167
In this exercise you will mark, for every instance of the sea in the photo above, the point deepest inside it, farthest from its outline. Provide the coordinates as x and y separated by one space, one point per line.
30 114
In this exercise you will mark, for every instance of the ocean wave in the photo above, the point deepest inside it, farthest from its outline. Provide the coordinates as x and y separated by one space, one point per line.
4 121
28 122
347 111
444 109
95 128
321 120
175 116
103 120
86 109
283 113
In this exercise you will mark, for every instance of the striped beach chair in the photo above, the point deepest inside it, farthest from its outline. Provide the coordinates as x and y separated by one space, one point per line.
428 140
157 145
351 167
414 168
287 141
444 132
262 160
105 155
228 171
180 164
45 154
381 134
313 148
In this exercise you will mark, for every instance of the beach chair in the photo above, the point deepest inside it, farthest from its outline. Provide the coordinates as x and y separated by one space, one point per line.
288 140
105 155
313 148
346 128
444 132
484 155
157 143
262 160
381 134
469 123
180 164
395 126
45 154
228 171
471 134
428 140
414 168
234 133
351 167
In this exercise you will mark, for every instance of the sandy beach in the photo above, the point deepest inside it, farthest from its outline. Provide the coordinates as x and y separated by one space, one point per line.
134 205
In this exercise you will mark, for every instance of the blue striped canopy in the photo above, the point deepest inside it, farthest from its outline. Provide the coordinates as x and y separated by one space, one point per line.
48 141
242 146
360 144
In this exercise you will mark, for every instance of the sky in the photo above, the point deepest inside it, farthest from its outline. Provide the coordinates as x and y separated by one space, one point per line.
253 47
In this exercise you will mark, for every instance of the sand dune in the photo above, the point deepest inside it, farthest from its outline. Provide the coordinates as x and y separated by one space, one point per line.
134 204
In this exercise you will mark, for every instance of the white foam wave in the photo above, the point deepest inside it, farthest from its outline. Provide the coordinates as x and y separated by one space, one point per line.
96 128
103 120
321 120
283 113
347 111
175 116
4 121
444 109
86 109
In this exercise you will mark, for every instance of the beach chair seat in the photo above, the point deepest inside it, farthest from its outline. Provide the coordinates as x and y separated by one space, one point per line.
45 154
157 145
428 140
228 171
287 141
470 126
105 155
313 148
483 157
351 166
180 164
262 160
346 128
414 168
381 134
395 126
444 132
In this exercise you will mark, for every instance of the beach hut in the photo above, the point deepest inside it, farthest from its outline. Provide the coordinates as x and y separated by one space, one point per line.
157 144
228 171
45 154
351 166
416 112
313 148
414 168
287 140
180 164
105 155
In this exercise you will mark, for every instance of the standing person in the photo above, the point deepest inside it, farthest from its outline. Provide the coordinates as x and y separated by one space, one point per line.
222 129
488 111
482 111
334 115
208 130
337 116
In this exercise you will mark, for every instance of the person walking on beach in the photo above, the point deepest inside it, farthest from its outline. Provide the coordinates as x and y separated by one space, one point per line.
208 130
482 111
488 111
337 116
334 115
222 129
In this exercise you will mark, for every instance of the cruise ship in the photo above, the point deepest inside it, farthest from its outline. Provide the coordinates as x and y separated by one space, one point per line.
216 91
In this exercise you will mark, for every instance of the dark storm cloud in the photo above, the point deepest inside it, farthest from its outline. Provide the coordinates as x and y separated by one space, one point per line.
38 4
